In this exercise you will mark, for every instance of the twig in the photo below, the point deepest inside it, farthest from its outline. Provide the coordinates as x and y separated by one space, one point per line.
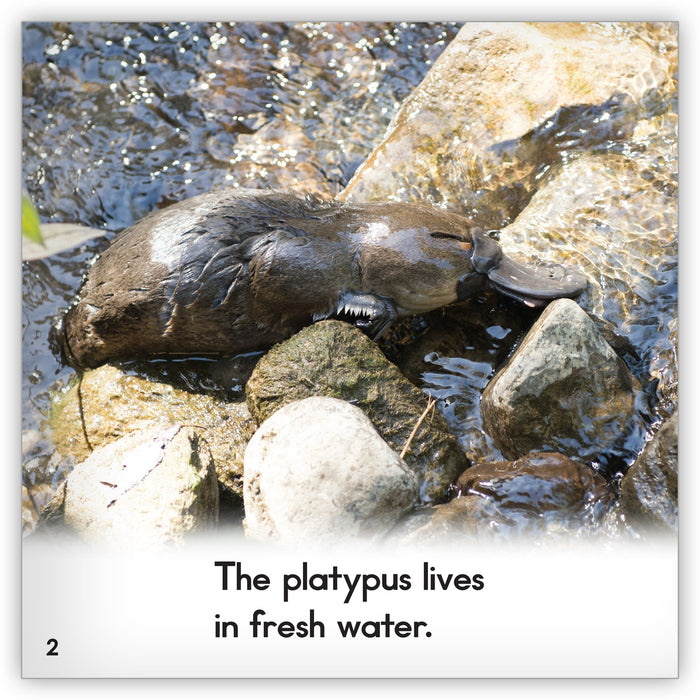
431 403
81 412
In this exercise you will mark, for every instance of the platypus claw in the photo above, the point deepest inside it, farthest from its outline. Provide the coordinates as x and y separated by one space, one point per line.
371 313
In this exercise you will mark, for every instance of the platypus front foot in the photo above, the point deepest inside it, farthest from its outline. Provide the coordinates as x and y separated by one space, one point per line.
370 313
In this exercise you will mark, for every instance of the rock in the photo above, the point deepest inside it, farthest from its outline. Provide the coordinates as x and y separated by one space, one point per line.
564 390
139 491
107 404
501 102
317 470
649 490
332 358
542 485
542 496
616 219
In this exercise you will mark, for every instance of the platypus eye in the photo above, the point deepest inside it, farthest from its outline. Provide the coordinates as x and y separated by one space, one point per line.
452 236
462 241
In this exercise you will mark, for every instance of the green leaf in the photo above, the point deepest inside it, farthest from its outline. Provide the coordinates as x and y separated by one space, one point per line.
30 221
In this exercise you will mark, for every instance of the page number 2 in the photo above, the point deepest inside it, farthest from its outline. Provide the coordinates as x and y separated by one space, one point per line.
53 647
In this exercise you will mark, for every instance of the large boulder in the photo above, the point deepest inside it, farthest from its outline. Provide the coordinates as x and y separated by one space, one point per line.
332 358
317 471
501 102
139 491
564 390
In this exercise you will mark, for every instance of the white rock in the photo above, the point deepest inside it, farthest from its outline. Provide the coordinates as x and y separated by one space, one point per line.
317 471
140 491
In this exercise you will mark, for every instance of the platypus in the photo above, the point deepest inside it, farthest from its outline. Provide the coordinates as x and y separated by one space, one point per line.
238 270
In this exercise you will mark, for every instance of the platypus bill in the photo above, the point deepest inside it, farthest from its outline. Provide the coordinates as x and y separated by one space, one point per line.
237 270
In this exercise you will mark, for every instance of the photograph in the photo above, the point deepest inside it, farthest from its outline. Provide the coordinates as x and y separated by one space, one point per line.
345 340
